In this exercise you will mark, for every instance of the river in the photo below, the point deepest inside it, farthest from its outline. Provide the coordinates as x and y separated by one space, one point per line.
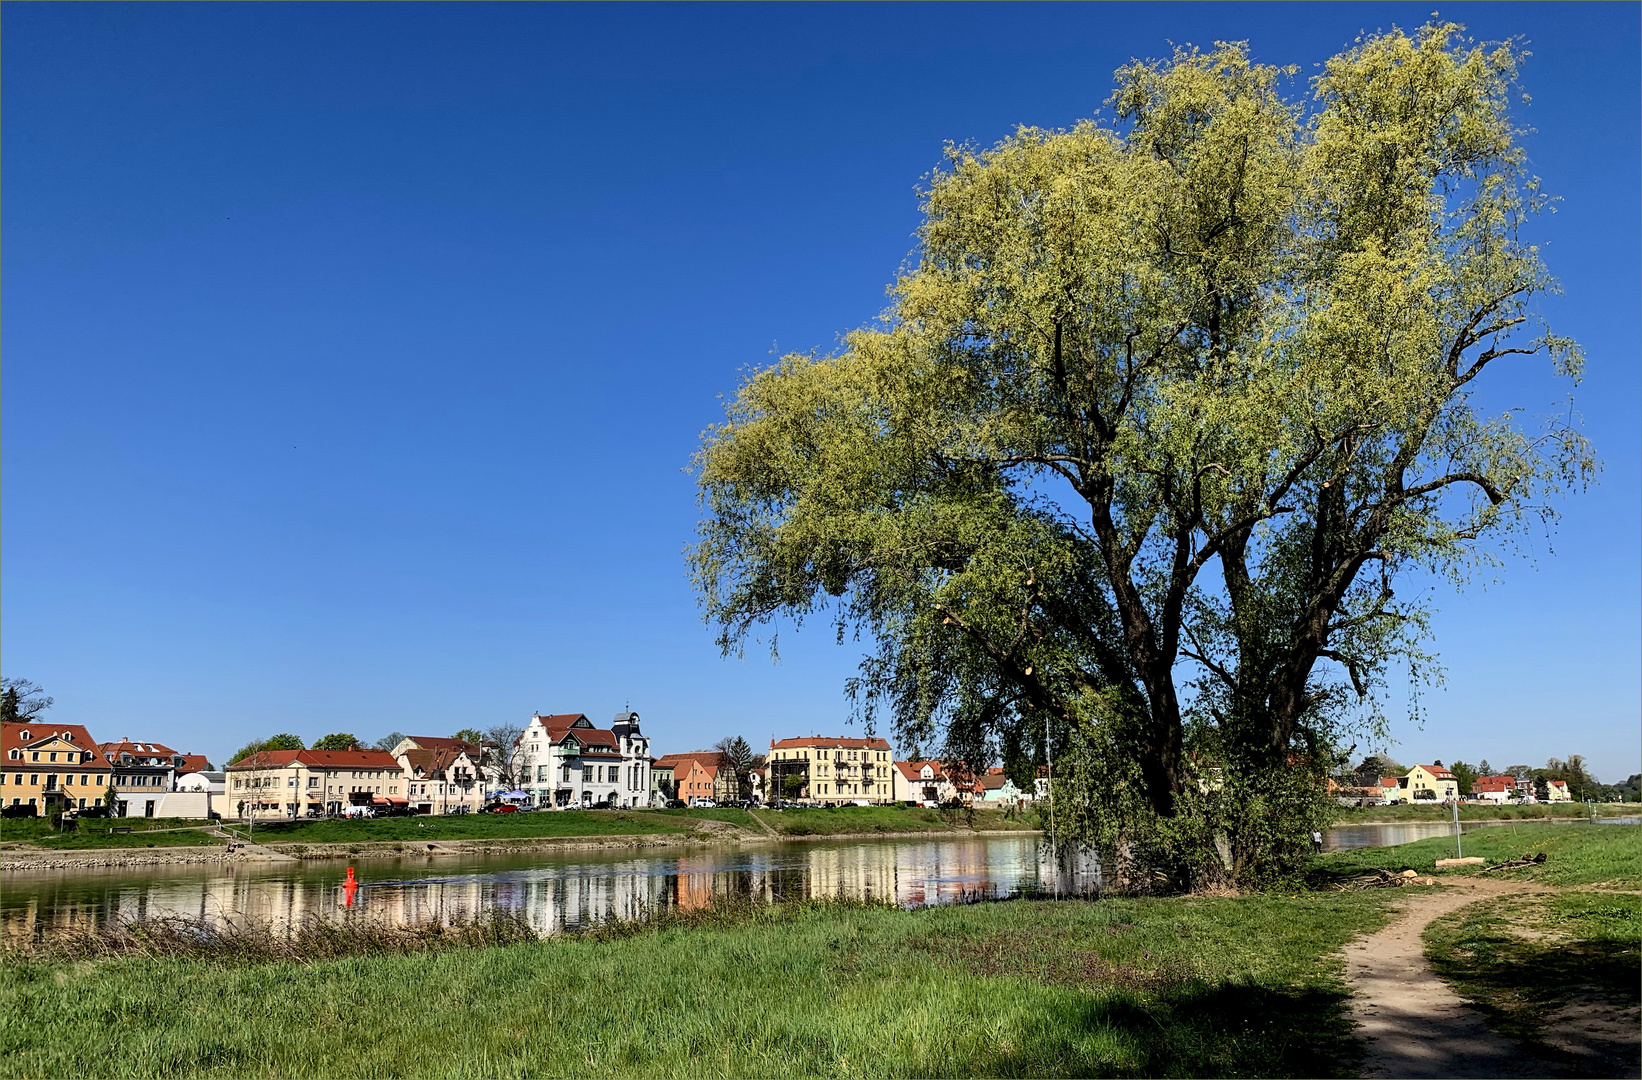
555 891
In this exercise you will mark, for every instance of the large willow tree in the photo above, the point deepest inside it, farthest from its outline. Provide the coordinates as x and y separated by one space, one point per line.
1161 413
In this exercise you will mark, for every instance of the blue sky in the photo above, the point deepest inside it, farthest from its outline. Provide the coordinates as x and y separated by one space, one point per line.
353 353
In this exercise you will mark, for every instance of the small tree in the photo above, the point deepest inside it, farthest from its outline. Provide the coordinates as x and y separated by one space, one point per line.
735 756
506 753
388 741
339 741
470 735
1485 769
1464 776
21 700
285 741
111 801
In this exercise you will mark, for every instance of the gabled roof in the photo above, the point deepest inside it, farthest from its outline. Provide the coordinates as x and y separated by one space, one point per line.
913 770
706 761
138 750
822 742
1389 781
1493 783
1440 772
12 735
430 742
992 781
318 759
1557 783
435 762
192 763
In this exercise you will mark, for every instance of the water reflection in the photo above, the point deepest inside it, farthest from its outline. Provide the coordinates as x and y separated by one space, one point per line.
553 893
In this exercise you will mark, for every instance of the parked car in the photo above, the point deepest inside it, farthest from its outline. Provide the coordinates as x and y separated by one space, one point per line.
501 808
675 804
460 810
703 804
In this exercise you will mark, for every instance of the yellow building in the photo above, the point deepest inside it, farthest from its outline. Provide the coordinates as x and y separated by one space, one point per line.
313 783
1424 783
831 771
51 767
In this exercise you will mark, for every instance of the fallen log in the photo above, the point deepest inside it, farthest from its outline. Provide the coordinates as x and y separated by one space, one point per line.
1515 864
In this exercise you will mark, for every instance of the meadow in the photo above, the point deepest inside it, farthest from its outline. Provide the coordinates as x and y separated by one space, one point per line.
1119 987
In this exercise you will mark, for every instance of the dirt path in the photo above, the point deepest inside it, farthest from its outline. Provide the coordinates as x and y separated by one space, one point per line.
1414 1024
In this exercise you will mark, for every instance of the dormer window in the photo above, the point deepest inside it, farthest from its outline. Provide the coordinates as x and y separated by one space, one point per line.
25 736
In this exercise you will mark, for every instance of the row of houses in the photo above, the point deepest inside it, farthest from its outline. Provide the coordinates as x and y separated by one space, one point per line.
1435 783
560 761
56 767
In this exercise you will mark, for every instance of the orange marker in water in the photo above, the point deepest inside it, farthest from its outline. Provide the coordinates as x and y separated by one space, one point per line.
349 887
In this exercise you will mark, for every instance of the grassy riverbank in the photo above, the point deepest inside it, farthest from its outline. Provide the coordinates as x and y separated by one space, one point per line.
1187 986
569 823
1482 812
857 820
99 834
1583 855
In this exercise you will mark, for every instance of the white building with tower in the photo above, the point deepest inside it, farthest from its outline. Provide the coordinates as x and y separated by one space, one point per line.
566 762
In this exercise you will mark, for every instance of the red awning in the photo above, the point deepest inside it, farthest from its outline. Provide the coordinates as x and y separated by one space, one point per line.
388 801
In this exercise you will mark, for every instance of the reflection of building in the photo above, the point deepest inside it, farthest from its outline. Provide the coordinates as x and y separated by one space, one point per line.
51 767
312 783
831 771
566 762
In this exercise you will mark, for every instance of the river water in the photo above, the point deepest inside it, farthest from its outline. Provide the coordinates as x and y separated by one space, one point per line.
554 891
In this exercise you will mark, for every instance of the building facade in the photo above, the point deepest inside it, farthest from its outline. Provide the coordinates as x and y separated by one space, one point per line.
1494 789
829 771
442 776
290 784
568 763
51 767
1423 783
697 776
923 782
142 773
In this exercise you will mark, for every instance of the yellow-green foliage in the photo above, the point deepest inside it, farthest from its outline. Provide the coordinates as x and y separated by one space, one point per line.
1162 407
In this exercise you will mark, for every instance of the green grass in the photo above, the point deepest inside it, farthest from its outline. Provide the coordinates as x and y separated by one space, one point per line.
1609 855
569 823
727 814
837 820
1520 958
1162 987
94 833
1481 812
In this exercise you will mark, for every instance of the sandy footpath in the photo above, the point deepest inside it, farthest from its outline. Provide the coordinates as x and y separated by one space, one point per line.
1416 1026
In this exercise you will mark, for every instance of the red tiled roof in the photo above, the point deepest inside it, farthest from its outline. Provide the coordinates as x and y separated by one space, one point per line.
1388 781
821 742
11 735
435 762
1557 784
323 759
913 770
137 749
193 763
1493 783
701 757
429 742
1438 771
